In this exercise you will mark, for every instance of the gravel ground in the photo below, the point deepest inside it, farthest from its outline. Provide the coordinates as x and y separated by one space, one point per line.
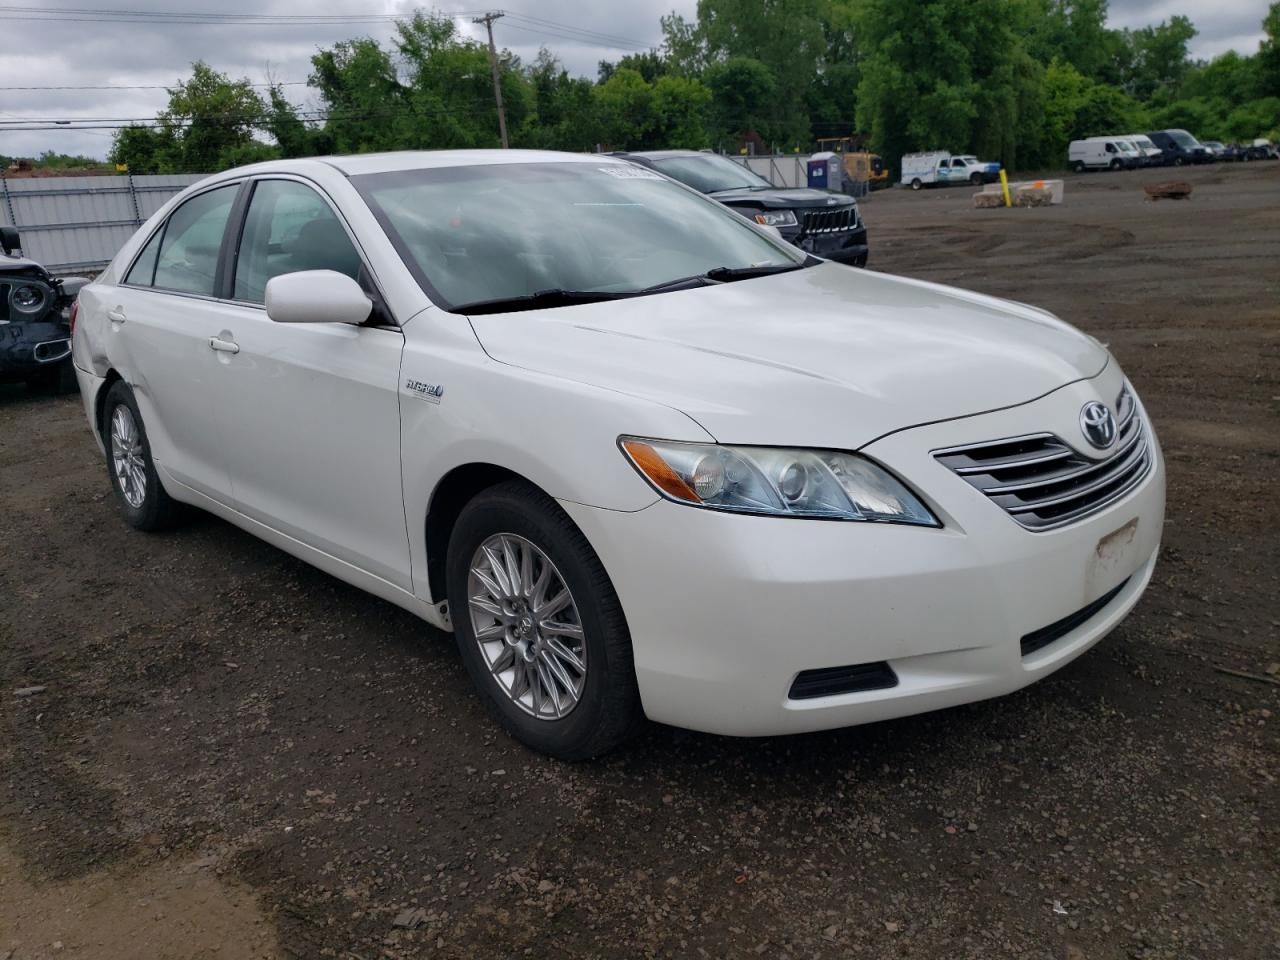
231 755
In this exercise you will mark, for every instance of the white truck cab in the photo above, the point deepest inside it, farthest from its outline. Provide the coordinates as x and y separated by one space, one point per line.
940 167
1102 153
1151 154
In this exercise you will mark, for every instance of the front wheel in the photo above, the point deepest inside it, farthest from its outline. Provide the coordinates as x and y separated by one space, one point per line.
539 626
1116 164
142 500
917 184
1178 161
976 179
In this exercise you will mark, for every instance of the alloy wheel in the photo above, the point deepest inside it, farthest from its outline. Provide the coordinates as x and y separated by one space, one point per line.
127 457
527 626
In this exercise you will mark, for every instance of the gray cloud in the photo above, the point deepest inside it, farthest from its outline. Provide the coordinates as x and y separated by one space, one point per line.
86 53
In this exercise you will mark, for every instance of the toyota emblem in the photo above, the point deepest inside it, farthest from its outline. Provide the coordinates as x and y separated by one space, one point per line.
1097 424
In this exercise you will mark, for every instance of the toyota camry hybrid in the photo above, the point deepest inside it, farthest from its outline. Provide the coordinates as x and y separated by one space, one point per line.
640 455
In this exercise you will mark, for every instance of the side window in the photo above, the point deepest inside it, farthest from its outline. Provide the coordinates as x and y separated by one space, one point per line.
143 271
188 258
1111 148
944 165
289 228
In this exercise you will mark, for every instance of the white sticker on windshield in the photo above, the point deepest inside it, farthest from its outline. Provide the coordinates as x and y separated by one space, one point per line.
626 171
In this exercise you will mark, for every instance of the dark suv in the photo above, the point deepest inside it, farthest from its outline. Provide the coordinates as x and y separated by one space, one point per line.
824 224
1177 147
35 321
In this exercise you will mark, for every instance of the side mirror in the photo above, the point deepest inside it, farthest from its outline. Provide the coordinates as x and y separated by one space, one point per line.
316 296
71 286
9 239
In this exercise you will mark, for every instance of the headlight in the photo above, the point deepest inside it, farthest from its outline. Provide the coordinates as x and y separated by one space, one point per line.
29 299
776 481
776 218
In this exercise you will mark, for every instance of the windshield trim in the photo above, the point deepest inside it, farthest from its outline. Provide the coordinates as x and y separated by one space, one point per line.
363 182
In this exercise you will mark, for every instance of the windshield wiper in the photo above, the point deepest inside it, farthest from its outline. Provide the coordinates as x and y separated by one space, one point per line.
727 274
539 300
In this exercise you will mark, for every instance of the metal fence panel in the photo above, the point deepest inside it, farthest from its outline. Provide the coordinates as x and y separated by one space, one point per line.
79 223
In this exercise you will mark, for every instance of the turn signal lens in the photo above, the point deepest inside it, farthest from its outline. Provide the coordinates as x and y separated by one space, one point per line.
657 472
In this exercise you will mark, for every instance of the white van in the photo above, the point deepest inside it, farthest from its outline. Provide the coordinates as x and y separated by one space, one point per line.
1152 156
1101 153
939 166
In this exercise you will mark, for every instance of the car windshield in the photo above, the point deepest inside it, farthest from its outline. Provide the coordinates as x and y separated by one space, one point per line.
1184 139
492 233
709 173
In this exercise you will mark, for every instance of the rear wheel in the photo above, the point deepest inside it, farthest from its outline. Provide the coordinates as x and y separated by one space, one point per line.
142 500
917 184
539 626
1078 166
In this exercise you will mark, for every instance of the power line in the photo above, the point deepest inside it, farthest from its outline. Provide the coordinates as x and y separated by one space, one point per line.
150 86
537 25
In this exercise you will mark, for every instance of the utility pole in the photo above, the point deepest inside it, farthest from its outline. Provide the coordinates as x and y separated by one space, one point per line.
487 20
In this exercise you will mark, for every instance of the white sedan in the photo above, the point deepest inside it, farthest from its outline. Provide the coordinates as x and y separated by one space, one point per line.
639 455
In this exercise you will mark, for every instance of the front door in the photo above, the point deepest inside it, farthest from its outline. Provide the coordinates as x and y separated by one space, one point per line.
316 450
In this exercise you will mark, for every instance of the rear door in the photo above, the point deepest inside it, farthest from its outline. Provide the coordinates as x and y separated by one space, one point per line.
159 321
316 449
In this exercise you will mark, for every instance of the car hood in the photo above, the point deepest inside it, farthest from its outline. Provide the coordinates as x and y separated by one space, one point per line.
783 198
13 264
827 356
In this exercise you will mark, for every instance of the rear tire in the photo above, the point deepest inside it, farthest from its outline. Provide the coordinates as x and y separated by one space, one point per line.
1078 166
917 184
142 499
520 667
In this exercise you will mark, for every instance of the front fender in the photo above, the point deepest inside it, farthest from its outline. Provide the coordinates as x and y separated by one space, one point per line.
458 406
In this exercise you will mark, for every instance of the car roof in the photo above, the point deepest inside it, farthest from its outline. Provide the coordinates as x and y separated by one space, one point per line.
362 163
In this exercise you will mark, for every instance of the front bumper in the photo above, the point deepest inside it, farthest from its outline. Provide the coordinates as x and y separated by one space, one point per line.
29 348
848 247
725 611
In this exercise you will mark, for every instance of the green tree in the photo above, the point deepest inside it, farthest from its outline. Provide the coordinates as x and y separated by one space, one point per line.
948 74
209 125
1160 60
651 65
361 96
625 106
740 87
1269 53
564 111
680 107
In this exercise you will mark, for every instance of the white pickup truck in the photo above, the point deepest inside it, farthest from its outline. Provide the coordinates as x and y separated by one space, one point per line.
940 167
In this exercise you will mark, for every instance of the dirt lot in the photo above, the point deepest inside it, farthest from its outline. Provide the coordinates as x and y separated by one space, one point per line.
236 756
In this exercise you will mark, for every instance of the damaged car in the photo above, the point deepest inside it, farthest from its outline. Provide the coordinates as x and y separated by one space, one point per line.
36 313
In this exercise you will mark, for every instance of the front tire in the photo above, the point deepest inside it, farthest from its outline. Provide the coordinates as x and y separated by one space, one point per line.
142 500
539 626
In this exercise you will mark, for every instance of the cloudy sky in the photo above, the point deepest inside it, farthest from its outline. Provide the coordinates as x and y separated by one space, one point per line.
128 53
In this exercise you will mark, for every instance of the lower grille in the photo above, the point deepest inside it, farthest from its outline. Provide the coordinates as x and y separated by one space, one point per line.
830 681
1039 639
840 220
1043 482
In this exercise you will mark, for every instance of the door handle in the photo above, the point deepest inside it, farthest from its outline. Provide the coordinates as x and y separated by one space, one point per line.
224 346
116 315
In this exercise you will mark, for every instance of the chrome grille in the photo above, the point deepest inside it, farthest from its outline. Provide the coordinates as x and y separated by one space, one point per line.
1043 482
834 220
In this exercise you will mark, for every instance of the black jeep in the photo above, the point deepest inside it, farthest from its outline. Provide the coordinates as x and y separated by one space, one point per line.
35 320
822 223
